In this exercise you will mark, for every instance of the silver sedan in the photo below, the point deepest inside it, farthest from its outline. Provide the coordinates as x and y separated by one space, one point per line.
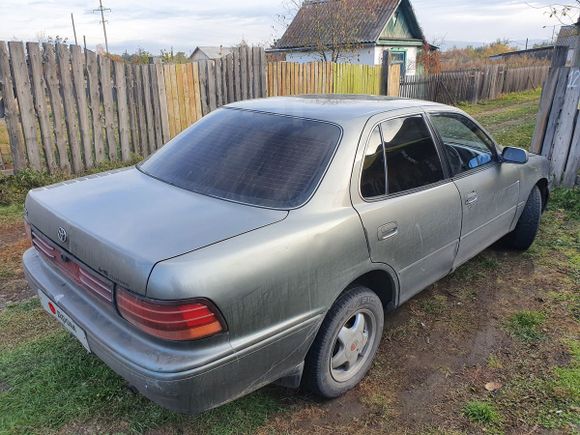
266 242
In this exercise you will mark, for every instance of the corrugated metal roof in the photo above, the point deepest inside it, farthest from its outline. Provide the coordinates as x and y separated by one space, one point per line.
314 22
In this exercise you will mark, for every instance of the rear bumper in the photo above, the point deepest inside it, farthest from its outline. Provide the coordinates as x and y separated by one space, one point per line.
188 377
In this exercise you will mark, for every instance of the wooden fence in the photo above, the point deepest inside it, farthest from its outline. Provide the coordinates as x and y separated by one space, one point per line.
69 109
473 85
286 78
557 134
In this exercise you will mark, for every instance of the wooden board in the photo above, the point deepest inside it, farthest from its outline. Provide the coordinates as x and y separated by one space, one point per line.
22 86
163 103
70 109
131 102
17 147
156 106
122 110
141 116
56 106
80 87
107 95
97 118
148 109
38 91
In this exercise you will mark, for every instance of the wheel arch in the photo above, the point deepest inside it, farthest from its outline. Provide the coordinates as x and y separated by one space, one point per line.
381 282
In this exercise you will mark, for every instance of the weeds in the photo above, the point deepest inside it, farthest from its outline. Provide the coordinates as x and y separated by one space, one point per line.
481 412
525 325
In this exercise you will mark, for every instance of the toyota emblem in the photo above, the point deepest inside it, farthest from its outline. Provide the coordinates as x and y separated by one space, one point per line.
62 236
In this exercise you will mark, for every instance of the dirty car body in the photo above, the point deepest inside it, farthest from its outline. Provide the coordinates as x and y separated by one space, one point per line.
391 194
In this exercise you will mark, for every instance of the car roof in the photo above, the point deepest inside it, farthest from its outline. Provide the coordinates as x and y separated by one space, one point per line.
332 108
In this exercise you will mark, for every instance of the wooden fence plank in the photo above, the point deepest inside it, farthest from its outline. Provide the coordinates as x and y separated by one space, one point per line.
95 105
244 71
237 75
22 85
573 163
559 96
133 119
56 106
203 87
230 77
156 107
148 109
263 74
122 110
141 115
80 87
163 103
107 95
565 128
38 91
219 94
546 101
169 93
211 85
17 148
70 109
197 91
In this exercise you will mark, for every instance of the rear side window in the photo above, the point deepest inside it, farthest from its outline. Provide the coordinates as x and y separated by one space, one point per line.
412 160
373 176
255 158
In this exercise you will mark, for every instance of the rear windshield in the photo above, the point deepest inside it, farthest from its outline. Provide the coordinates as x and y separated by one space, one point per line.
255 158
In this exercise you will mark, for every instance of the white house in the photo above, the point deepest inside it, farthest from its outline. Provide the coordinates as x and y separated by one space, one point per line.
380 26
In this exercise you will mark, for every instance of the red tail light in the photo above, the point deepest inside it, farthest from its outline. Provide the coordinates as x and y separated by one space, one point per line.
178 321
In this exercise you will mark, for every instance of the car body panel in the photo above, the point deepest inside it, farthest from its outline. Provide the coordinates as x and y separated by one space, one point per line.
123 222
273 274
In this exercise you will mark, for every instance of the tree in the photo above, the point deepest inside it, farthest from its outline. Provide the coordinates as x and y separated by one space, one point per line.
565 13
139 57
330 29
171 57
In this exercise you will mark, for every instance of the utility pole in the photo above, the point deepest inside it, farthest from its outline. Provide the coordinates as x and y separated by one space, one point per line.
102 10
72 18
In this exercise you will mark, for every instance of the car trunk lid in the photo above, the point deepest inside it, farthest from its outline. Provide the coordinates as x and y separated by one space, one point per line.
122 223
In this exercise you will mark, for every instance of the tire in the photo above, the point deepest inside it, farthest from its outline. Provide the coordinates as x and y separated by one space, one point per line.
351 331
524 234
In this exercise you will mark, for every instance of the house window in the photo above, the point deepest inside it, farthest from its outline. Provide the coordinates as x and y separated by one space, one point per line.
400 58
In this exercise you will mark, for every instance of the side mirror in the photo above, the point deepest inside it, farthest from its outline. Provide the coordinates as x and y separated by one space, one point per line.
514 155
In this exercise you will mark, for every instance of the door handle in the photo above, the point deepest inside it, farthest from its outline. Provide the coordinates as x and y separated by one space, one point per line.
471 199
388 230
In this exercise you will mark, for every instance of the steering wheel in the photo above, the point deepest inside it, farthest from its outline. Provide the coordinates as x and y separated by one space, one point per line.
456 162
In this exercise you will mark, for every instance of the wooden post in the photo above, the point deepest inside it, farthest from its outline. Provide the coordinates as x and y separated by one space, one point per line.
385 85
12 122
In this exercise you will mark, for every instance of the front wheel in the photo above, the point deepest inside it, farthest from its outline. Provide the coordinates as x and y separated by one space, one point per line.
524 234
346 344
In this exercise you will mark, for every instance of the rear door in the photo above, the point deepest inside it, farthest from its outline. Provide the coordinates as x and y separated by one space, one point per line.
409 208
489 191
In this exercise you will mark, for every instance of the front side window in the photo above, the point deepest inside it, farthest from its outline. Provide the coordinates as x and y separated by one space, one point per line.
467 147
411 155
255 158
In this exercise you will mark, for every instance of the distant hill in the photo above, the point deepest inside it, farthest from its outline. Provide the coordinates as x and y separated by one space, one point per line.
449 45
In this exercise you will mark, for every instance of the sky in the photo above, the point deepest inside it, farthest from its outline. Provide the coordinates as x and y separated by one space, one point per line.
182 25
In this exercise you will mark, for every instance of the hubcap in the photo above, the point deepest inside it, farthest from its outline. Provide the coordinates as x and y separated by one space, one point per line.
352 346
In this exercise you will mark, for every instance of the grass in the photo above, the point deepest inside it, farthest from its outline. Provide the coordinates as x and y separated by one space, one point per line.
49 383
4 142
525 325
481 412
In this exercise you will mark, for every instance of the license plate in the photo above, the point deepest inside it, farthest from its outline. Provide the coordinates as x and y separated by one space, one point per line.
70 325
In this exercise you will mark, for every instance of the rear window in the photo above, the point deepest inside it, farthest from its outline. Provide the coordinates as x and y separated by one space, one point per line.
255 158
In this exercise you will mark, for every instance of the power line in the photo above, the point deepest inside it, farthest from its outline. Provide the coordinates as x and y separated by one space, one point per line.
102 10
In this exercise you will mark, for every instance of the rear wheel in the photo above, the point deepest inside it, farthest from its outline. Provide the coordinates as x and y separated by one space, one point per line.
524 234
346 344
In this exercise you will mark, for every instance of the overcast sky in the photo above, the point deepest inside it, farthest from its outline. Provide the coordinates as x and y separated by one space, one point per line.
156 24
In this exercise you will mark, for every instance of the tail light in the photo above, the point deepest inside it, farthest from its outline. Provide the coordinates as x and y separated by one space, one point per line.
179 321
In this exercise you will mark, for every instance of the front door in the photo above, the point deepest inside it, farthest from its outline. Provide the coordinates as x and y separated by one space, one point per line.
410 211
489 191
